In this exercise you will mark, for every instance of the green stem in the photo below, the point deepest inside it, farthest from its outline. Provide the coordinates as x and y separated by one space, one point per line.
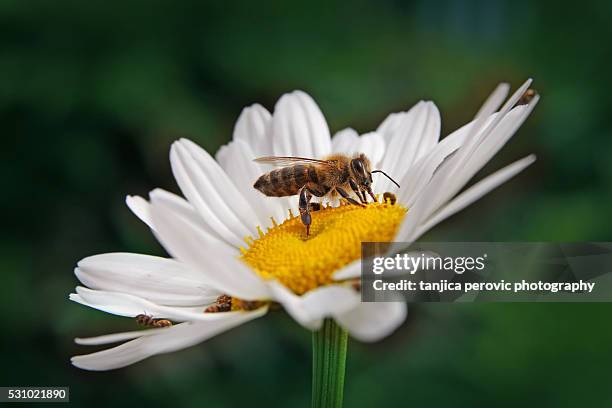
328 365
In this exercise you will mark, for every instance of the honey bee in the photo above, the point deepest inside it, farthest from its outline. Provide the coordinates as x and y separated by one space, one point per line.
311 177
146 320
527 97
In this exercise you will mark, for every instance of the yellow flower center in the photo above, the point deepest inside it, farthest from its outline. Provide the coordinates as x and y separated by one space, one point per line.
303 263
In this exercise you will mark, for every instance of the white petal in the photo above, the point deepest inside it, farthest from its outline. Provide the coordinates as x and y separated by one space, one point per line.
474 193
454 174
486 110
189 178
244 172
165 341
221 157
494 100
415 136
479 132
252 128
498 138
419 175
310 308
373 321
215 192
221 267
175 205
118 337
344 141
208 216
373 146
160 280
390 125
299 128
123 304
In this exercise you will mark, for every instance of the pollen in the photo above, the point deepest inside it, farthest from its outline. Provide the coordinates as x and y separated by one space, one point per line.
303 263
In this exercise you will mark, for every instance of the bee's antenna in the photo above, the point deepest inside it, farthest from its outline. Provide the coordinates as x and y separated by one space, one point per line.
386 175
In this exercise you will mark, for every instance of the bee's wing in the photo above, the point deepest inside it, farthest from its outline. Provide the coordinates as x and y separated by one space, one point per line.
289 161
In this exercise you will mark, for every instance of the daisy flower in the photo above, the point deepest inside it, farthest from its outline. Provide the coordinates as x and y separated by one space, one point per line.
235 252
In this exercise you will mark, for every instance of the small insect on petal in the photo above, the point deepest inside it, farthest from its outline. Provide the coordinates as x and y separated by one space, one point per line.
162 323
527 97
222 304
147 320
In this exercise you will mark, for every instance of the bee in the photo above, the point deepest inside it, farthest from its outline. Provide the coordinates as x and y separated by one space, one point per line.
222 304
147 320
527 97
311 177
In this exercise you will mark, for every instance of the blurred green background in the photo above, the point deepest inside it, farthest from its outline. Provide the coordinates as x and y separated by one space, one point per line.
92 94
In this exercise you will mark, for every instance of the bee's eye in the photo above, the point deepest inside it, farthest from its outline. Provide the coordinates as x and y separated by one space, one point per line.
358 168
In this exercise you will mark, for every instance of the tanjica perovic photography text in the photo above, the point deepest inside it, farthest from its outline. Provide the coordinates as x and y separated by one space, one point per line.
323 204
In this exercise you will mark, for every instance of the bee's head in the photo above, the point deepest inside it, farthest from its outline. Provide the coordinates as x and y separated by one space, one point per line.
360 167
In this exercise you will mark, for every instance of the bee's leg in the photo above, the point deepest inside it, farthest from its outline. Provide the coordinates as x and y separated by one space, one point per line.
363 195
347 197
305 197
369 189
356 190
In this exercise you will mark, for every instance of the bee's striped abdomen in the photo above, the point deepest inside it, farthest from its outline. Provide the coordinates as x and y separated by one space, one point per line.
286 181
299 176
